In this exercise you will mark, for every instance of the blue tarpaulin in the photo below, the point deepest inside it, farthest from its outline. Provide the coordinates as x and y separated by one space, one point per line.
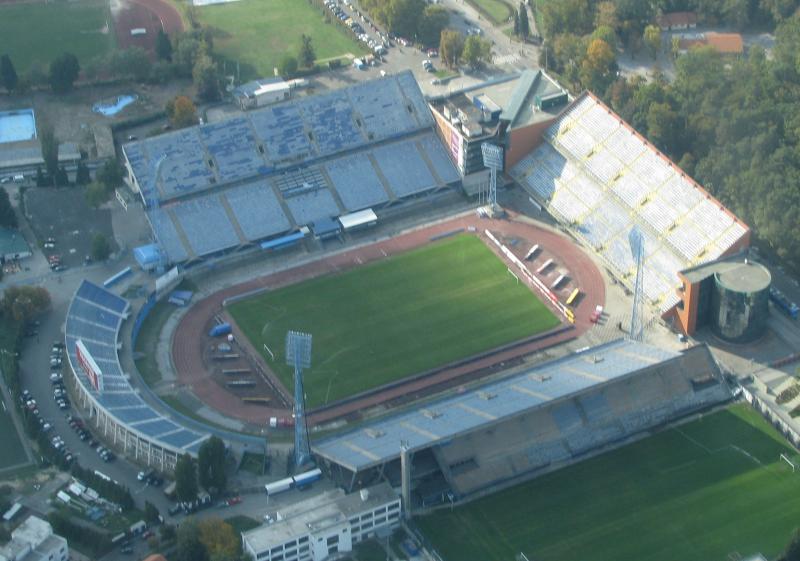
283 241
146 256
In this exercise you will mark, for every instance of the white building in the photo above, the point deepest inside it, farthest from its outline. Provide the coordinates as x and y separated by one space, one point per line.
332 522
34 540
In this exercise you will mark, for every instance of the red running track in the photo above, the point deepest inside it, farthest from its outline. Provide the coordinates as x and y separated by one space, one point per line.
190 336
151 15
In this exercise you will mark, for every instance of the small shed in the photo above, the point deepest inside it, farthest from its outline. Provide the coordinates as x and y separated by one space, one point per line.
146 256
325 227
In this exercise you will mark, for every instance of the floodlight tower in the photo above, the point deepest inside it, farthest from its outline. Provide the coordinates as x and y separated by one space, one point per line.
298 355
636 241
155 216
492 159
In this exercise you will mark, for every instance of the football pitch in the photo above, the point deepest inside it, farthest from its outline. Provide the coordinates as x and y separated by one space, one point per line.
703 491
33 32
256 34
390 319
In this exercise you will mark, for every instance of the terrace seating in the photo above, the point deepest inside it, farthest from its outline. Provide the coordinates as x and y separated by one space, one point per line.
381 115
604 166
257 210
206 225
599 123
595 407
567 417
625 145
331 120
311 206
441 162
98 316
185 169
103 298
281 129
404 168
356 182
300 180
234 148
408 85
167 235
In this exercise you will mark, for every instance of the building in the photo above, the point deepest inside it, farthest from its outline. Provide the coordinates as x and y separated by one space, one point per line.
600 178
267 175
730 44
509 111
729 295
324 525
13 245
540 418
677 20
34 540
261 92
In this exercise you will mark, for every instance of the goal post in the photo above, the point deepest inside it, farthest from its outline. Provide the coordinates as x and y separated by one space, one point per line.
510 272
786 459
268 350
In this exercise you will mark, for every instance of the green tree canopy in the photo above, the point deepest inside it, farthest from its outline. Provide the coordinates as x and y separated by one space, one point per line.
163 46
186 478
7 217
23 303
206 78
477 50
451 45
64 71
101 247
434 18
287 67
211 464
8 74
307 54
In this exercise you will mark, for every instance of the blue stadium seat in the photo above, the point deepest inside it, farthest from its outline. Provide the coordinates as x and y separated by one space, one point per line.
404 168
356 182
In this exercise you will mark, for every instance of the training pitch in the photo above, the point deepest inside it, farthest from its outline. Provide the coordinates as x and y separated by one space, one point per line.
393 318
704 491
256 34
33 32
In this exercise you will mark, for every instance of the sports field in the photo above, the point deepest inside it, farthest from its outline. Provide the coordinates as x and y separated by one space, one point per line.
498 10
394 318
257 33
41 32
700 492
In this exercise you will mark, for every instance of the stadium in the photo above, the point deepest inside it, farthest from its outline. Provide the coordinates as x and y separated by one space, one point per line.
335 197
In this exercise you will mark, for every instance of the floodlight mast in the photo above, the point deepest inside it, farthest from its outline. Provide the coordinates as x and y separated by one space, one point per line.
298 355
492 159
636 241
153 205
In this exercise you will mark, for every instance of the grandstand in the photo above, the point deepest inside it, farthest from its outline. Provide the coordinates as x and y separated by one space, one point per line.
275 170
598 176
125 420
532 421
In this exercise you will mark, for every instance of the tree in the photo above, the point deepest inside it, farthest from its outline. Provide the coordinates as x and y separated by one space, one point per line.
220 540
476 50
663 127
82 175
287 66
516 23
451 45
189 547
101 247
64 71
434 19
163 46
606 14
181 112
211 464
8 74
49 143
150 513
186 478
792 551
307 55
96 194
524 25
24 302
131 63
598 67
62 179
110 175
7 217
402 17
205 78
652 38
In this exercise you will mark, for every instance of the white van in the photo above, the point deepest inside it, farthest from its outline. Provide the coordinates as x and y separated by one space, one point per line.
19 178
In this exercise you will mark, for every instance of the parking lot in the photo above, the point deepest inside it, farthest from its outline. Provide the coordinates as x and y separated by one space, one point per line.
62 216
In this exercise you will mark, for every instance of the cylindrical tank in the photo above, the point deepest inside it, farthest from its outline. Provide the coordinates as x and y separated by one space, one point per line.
740 301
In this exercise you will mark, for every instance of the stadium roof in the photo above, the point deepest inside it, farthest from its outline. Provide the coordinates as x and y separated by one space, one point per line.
596 174
95 316
378 441
276 169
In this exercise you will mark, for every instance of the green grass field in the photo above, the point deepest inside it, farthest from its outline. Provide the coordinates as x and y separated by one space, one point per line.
695 493
257 33
394 318
41 32
498 10
9 441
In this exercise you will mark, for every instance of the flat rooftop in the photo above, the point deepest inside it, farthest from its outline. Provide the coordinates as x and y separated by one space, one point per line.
378 441
737 272
315 514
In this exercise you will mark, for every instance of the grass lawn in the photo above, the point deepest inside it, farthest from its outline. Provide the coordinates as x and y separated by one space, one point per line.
147 341
242 523
498 10
257 33
42 31
9 441
394 318
252 463
697 493
369 550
